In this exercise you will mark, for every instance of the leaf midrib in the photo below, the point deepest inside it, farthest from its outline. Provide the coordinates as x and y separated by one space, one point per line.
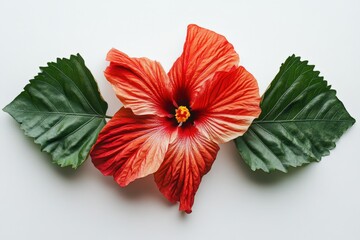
63 113
300 120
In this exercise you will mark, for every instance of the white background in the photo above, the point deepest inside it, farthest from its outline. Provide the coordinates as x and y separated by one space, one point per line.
41 201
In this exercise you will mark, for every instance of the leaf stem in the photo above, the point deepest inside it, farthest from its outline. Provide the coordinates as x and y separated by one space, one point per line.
107 116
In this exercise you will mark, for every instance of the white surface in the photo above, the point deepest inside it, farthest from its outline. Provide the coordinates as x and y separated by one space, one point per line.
40 201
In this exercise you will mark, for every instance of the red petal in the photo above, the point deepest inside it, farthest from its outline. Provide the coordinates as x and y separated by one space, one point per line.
205 52
140 84
131 146
188 158
227 105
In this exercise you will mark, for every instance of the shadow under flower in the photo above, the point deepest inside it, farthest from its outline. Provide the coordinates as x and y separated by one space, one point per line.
143 189
65 172
259 176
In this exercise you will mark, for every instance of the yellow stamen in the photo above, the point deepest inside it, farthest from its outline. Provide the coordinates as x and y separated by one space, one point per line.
182 114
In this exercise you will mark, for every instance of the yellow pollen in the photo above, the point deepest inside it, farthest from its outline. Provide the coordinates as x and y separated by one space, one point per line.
182 114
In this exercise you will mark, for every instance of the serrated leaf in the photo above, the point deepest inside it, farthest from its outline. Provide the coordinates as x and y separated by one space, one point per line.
300 122
62 109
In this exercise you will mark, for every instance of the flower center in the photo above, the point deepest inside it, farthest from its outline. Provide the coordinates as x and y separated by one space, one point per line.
182 114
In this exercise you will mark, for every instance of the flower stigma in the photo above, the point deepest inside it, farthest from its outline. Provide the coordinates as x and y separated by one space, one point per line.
182 114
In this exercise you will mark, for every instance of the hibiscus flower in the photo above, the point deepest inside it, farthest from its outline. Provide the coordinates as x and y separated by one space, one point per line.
171 124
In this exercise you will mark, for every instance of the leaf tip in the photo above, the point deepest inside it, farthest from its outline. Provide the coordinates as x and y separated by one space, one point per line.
352 121
5 109
294 56
77 57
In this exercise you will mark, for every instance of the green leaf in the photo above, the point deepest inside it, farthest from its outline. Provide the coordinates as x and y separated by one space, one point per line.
300 122
62 109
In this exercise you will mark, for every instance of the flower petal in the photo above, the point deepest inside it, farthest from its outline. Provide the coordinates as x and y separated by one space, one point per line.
227 105
188 158
132 146
205 52
140 84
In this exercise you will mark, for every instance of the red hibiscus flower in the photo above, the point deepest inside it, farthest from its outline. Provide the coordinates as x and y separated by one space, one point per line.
171 124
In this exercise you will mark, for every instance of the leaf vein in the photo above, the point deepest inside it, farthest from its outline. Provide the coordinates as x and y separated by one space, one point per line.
72 81
61 92
282 96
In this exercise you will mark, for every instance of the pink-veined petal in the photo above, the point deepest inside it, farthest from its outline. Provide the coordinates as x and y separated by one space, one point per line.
140 84
205 52
188 158
132 146
227 105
